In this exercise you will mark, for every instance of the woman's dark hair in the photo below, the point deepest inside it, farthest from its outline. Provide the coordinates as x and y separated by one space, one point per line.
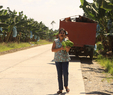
62 29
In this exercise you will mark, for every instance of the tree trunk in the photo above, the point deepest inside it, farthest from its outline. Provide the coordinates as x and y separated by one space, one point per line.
8 35
19 37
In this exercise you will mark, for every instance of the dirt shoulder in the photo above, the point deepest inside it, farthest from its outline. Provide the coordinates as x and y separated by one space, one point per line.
95 80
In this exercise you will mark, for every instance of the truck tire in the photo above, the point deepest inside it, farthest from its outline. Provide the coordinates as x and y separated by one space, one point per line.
91 54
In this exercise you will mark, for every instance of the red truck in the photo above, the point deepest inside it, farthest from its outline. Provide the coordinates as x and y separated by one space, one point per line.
82 32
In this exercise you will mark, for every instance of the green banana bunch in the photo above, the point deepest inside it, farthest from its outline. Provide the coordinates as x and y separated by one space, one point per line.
67 43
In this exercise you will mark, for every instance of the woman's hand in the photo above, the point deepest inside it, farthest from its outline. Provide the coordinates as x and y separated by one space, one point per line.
62 48
68 48
54 49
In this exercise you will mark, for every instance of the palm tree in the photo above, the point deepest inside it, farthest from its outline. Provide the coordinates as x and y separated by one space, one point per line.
53 22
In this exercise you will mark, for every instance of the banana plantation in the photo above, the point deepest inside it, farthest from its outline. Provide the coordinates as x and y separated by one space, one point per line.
101 11
18 28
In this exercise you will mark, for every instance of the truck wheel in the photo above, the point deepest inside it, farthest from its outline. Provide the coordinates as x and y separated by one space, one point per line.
91 54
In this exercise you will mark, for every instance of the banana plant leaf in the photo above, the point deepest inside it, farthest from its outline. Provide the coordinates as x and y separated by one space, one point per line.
4 12
99 2
107 6
88 9
93 10
30 26
3 25
20 23
35 29
1 7
5 29
1 12
4 17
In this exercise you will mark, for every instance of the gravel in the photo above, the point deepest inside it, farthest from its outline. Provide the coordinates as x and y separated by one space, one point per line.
96 81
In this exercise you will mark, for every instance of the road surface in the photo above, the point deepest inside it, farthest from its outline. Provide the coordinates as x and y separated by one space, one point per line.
32 72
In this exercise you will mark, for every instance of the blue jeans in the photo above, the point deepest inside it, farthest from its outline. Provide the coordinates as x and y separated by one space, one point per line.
62 69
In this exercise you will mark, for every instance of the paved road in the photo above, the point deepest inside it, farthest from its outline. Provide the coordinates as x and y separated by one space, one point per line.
32 72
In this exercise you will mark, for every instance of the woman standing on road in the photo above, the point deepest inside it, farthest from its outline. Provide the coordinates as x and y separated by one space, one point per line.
61 59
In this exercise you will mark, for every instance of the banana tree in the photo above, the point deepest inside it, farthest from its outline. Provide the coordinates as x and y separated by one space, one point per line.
108 6
22 26
3 17
11 23
94 11
15 20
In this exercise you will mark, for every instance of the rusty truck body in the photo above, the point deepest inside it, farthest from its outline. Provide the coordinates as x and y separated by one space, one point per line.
82 32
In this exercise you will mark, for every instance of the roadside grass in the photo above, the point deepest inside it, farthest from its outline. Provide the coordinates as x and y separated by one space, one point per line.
102 59
41 42
106 62
11 45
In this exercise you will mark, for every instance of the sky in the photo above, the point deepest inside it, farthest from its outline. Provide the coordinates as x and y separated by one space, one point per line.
45 10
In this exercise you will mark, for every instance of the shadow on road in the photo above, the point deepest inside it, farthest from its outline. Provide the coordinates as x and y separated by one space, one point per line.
109 91
58 94
96 70
82 59
99 93
85 60
74 59
51 63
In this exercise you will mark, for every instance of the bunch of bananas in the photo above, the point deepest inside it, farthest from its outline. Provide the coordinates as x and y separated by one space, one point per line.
67 43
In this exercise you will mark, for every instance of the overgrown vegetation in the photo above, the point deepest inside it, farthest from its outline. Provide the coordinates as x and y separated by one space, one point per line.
105 60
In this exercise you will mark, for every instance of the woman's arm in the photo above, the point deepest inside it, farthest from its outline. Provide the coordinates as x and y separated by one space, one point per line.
54 49
68 48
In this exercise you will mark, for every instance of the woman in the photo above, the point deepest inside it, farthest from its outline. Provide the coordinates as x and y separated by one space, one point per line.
61 59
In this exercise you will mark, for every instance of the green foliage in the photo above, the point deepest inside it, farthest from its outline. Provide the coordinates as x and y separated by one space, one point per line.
41 42
108 6
64 44
10 46
107 66
9 19
107 63
67 43
55 34
99 46
111 71
99 56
